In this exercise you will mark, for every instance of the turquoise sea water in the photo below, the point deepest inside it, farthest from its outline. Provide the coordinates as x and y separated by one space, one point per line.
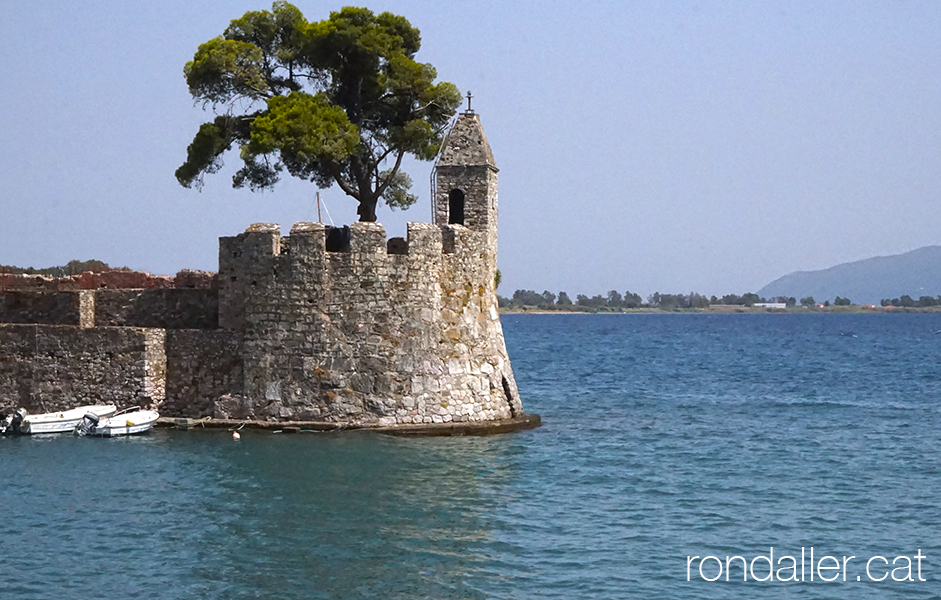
665 436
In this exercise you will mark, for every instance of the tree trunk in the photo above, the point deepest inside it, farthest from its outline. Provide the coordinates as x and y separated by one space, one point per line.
367 210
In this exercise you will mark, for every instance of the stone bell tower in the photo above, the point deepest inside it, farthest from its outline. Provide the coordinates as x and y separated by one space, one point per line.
466 181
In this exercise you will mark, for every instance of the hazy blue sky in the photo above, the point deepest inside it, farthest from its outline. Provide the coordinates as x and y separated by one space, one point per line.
643 146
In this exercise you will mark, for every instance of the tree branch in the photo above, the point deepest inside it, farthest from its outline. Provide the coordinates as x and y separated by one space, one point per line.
343 183
395 169
385 155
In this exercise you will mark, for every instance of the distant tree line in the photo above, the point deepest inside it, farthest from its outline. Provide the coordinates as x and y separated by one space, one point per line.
838 301
907 301
614 301
547 300
73 267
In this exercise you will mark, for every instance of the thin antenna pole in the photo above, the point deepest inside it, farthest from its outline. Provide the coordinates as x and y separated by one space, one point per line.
328 214
318 207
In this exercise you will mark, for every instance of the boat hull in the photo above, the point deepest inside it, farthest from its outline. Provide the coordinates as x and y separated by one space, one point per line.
127 424
64 421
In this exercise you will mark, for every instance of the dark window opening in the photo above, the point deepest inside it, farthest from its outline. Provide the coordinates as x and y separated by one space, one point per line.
456 207
338 239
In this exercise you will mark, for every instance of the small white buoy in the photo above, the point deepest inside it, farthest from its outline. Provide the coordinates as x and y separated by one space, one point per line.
235 435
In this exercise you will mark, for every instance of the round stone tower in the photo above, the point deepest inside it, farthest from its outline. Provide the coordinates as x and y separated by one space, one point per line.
375 332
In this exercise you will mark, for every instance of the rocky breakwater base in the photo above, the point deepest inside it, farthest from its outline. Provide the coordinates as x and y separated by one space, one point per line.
454 428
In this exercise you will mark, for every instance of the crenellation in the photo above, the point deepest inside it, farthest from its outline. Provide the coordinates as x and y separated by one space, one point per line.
261 253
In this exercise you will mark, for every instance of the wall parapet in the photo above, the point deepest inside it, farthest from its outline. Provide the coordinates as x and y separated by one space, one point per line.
47 307
164 308
185 279
262 241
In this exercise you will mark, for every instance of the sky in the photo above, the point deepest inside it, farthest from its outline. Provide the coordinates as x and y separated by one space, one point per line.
643 146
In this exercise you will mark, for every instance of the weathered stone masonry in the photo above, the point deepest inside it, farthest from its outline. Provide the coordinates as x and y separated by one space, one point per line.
50 367
326 324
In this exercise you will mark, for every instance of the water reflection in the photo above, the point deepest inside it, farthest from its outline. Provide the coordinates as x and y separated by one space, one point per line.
355 515
273 516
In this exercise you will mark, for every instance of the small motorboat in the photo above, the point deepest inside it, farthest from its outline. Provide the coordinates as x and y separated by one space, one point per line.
55 422
134 421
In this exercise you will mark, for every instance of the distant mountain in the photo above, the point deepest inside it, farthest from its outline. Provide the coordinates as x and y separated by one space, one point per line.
916 273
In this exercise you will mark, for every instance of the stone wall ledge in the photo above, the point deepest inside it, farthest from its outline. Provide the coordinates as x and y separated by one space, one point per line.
520 423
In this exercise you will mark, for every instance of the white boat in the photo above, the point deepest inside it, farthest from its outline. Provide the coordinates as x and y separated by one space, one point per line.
57 422
129 423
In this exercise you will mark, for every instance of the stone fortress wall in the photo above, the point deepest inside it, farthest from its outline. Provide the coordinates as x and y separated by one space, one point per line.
65 341
326 324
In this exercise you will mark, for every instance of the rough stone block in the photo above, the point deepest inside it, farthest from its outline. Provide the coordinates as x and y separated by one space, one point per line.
368 238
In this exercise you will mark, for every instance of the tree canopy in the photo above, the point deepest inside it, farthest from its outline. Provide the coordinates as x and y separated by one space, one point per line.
341 101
